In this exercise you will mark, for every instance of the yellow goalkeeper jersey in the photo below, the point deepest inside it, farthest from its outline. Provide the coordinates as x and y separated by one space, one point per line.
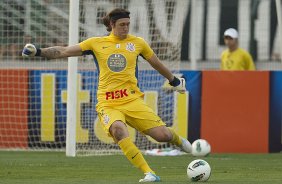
236 60
116 61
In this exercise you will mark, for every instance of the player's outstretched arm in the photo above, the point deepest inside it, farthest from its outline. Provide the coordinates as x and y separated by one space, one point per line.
177 83
52 52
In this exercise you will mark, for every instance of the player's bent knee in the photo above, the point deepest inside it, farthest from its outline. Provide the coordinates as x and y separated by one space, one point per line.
160 134
118 130
165 137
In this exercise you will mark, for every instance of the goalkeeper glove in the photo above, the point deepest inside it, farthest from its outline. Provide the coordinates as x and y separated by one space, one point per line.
30 50
178 84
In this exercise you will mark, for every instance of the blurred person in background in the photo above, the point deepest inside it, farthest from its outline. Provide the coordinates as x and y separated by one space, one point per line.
234 57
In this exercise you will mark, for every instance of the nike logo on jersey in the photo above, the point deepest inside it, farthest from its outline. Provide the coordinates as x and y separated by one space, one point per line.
104 47
134 155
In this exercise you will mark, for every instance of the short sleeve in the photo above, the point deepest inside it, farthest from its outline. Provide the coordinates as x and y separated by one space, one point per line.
251 65
222 57
86 44
146 51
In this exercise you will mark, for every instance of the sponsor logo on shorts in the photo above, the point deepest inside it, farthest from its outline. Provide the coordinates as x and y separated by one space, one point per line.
106 119
116 94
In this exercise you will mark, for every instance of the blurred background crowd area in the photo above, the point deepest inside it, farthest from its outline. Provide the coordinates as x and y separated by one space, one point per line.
46 23
31 21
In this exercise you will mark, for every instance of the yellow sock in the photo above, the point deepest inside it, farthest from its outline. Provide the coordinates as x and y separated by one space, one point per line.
134 155
175 138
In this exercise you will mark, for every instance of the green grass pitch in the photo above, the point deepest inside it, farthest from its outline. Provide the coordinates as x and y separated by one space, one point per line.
56 168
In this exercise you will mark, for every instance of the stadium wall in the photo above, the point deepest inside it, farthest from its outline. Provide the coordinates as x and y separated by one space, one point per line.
13 103
235 111
238 112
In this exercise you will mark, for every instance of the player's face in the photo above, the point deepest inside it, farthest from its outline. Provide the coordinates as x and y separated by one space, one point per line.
121 27
230 42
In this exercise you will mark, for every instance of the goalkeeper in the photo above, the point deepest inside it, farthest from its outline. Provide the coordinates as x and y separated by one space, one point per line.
120 101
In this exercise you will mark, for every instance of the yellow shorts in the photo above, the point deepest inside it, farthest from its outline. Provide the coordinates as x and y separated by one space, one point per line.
136 114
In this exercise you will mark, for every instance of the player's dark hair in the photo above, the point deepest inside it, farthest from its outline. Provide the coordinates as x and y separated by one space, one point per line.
113 16
106 22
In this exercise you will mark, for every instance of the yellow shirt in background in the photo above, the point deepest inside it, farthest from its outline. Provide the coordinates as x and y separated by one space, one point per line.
117 63
236 60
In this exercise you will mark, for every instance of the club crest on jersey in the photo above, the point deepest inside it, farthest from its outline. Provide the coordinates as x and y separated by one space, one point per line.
130 47
118 46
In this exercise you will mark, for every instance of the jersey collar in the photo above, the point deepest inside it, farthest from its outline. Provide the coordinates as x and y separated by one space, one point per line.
116 38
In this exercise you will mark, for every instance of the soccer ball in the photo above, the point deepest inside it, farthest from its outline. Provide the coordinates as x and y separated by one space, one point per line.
200 147
199 170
